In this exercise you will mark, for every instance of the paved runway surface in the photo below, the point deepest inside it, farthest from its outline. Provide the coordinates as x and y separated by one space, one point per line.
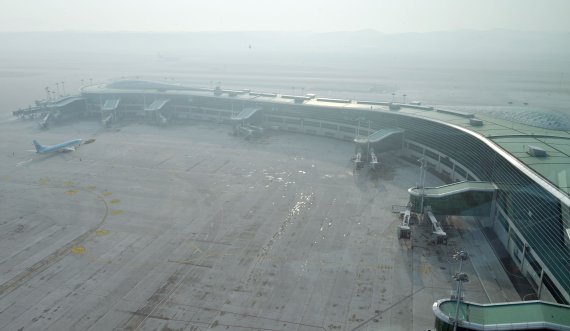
191 228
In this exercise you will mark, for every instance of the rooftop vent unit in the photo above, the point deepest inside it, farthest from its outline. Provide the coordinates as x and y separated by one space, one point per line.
475 122
535 151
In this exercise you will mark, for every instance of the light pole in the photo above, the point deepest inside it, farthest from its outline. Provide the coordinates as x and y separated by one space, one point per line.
57 88
423 165
63 87
460 277
393 95
404 98
368 140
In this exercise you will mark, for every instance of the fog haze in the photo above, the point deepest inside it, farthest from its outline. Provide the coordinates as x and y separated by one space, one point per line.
128 202
457 68
284 15
451 53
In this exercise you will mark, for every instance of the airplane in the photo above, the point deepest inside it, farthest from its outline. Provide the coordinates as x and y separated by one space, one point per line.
68 146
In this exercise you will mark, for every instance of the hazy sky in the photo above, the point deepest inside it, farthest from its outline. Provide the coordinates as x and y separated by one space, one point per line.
283 15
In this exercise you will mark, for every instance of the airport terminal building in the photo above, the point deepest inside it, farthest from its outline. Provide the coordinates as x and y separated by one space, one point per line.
513 178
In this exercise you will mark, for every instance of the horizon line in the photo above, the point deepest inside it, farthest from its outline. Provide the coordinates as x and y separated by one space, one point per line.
283 31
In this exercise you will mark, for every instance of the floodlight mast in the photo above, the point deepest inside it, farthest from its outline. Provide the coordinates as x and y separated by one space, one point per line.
460 277
423 165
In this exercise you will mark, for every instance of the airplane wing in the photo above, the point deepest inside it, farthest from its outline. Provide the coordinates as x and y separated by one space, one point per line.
67 149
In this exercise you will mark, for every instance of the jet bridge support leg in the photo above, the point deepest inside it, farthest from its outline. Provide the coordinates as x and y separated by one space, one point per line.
493 213
440 237
404 230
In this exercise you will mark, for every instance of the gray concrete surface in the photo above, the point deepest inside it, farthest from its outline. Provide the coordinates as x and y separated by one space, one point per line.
191 228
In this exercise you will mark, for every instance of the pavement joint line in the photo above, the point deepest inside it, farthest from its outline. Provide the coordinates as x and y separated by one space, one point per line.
164 299
387 308
246 315
54 257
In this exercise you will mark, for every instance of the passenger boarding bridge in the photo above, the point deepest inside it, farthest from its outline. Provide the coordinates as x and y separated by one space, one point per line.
468 198
381 140
109 111
243 122
153 111
524 315
51 110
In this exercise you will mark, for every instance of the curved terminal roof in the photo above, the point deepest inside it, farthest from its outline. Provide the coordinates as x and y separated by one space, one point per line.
508 138
143 84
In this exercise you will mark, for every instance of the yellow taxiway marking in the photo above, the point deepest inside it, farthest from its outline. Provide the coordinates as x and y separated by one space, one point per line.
425 269
116 212
114 201
68 183
102 232
91 188
71 192
106 193
43 181
77 250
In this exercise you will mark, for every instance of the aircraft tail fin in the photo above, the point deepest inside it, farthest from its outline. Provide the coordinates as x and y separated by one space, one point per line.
39 147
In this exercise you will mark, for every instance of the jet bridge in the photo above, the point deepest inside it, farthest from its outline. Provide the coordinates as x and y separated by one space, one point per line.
153 111
111 104
108 111
242 125
157 105
373 159
382 140
44 122
521 315
469 198
67 105
440 236
64 102
245 114
357 159
360 158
